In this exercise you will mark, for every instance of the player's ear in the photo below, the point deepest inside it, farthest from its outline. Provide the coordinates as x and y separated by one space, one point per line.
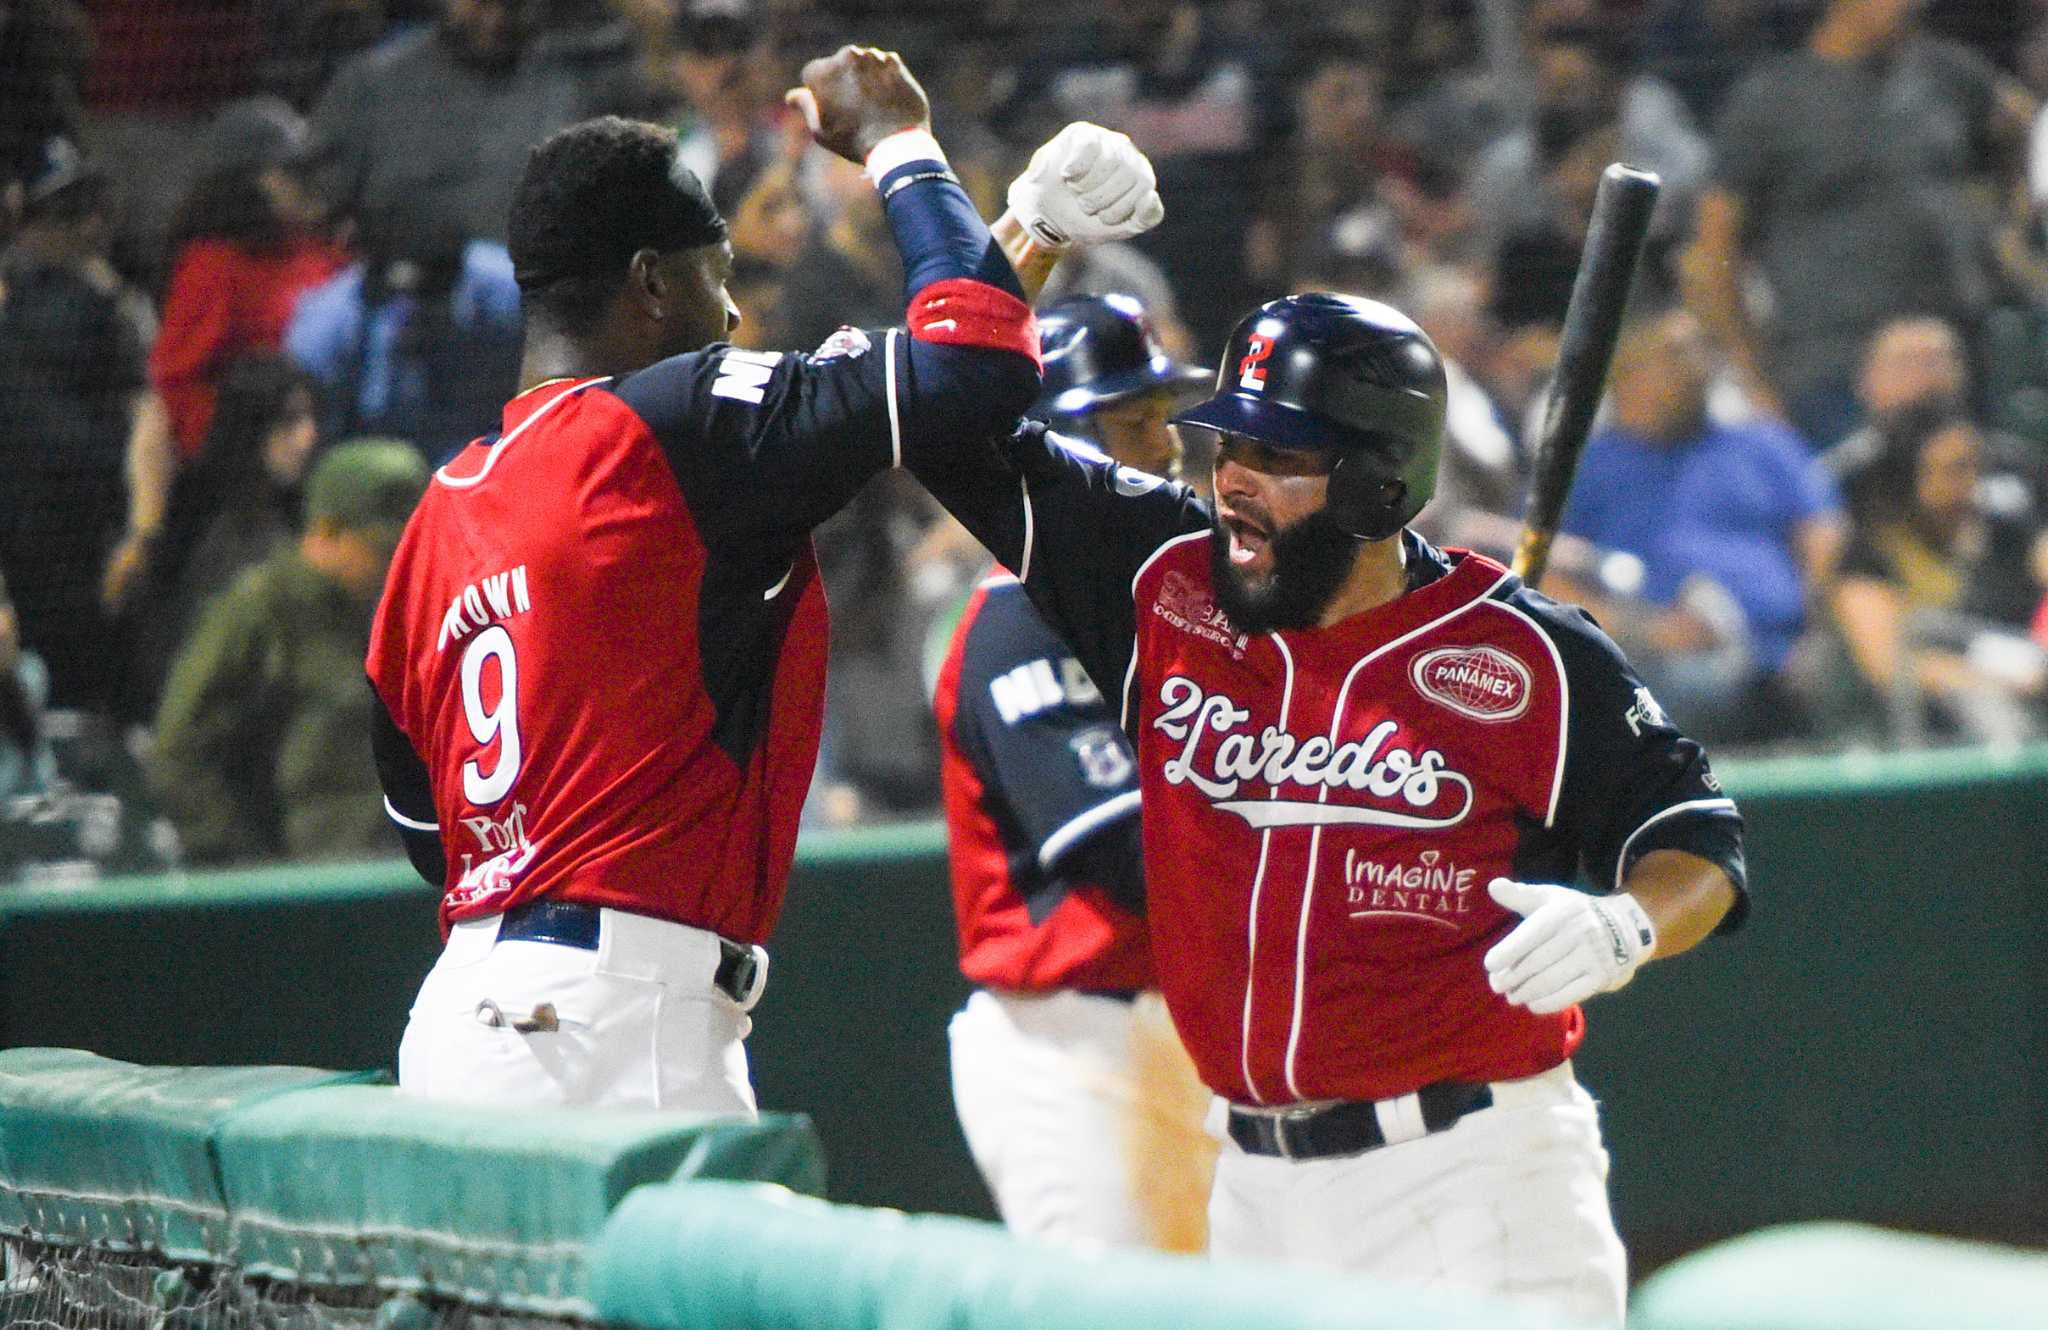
647 283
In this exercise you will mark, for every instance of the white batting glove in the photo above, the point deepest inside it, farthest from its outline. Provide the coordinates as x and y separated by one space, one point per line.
1086 185
1568 946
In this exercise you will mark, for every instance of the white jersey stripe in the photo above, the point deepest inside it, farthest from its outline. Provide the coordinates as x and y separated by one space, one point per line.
505 441
1564 706
1109 810
889 393
408 823
1251 968
1323 796
1689 806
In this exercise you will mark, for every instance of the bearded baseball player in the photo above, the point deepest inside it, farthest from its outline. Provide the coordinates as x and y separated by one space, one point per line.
1367 768
1041 798
600 653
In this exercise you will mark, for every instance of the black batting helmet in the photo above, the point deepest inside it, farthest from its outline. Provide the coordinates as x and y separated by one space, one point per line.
1335 373
1099 350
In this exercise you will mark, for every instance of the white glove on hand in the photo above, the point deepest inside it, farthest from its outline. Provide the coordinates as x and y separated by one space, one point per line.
1086 185
1568 946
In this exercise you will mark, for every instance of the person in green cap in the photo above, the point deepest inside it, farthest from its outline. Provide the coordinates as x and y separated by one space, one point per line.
262 747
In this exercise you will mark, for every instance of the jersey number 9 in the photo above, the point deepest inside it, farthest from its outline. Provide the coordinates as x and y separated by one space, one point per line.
500 723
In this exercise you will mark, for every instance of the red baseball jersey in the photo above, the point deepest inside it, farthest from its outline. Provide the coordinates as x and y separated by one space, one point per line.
1041 798
601 647
1323 808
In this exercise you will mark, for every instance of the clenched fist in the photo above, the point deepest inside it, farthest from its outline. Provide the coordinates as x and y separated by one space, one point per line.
1085 186
858 96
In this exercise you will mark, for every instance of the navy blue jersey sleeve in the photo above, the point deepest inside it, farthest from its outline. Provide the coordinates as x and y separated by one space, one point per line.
773 442
1073 525
1632 782
1058 776
408 793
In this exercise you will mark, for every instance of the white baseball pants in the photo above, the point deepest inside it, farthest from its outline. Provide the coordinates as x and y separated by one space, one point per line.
1052 1108
1510 1202
637 1022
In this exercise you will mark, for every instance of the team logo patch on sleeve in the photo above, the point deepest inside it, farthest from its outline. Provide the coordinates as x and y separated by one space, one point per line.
1104 755
1484 683
843 345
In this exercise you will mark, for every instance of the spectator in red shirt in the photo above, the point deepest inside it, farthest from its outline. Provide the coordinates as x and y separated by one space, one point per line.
246 246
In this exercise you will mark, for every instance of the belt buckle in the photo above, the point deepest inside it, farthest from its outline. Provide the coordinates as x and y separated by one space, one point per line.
1286 1118
753 976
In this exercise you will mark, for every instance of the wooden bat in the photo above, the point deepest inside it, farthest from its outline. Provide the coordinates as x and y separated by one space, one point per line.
1592 322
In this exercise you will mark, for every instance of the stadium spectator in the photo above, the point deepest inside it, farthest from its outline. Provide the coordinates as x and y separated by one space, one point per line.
263 739
1841 172
301 43
726 139
417 340
1324 190
1701 48
848 274
1172 75
1918 364
229 511
1581 88
247 245
442 117
1482 473
1930 602
75 407
45 46
27 765
1735 527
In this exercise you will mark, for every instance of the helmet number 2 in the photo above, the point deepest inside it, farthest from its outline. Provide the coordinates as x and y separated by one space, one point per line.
1251 370
486 724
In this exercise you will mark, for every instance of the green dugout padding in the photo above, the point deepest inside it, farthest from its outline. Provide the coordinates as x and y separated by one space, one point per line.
1874 1047
300 1175
1848 1277
727 1256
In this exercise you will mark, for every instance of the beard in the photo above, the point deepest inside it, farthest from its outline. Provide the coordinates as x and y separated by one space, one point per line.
1311 559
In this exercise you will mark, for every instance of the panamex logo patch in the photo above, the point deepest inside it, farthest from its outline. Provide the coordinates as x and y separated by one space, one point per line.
1187 605
1481 682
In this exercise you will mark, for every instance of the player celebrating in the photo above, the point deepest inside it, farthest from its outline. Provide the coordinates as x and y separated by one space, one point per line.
1365 764
602 643
1041 796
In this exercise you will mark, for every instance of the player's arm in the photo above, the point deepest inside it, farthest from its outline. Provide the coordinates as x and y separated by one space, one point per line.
778 441
1056 773
1653 829
408 793
1073 526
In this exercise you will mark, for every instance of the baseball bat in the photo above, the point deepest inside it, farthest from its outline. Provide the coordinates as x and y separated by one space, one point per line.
1592 322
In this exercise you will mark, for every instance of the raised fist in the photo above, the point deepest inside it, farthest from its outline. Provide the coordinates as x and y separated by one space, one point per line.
858 96
1085 186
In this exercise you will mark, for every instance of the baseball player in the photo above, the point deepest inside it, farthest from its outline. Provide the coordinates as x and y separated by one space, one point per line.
1041 798
1366 768
601 649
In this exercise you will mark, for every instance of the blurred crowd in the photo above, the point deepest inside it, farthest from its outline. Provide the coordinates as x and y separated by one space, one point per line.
254 287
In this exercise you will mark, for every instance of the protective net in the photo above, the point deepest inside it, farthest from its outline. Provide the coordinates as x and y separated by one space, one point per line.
169 1198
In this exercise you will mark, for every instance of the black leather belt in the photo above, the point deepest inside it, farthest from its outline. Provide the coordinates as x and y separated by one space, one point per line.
1348 1128
568 924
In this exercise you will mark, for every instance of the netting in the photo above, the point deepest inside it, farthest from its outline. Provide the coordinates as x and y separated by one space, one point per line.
50 1287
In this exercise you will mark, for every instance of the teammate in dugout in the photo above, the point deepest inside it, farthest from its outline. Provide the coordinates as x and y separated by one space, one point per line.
1366 765
601 649
1077 1104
